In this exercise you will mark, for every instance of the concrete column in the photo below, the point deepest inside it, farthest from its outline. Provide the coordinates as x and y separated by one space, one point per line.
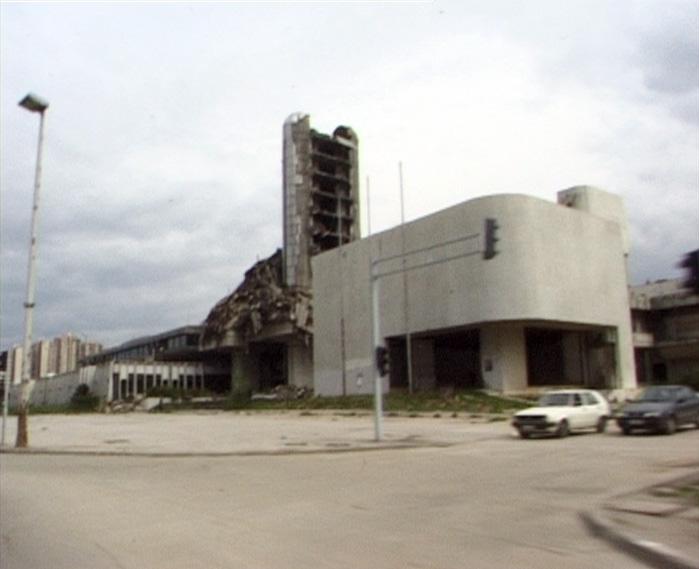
626 366
423 364
242 373
572 358
110 382
504 358
300 365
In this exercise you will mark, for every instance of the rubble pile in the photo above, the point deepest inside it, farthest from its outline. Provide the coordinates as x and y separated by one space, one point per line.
285 393
260 300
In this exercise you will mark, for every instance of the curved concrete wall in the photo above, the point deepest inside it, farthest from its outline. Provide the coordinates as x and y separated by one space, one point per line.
554 264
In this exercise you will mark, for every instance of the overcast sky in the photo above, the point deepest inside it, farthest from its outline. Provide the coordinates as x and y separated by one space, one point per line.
162 173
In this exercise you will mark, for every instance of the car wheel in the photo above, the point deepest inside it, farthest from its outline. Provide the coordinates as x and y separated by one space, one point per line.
602 424
669 426
626 430
563 429
524 434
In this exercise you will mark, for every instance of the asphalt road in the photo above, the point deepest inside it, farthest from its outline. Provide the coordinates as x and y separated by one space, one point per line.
494 502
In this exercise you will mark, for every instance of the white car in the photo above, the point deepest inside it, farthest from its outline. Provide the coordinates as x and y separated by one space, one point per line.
559 412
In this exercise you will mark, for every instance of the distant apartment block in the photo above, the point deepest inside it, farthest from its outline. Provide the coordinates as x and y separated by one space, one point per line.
51 357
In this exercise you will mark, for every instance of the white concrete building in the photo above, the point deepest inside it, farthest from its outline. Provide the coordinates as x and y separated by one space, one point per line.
551 307
665 321
119 380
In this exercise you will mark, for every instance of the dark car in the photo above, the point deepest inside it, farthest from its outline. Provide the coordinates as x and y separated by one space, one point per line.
661 408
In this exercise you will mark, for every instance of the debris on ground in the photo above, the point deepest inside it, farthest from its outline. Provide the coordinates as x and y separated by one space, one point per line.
284 393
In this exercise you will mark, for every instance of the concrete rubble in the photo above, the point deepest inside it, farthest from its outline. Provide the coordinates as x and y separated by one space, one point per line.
260 301
285 393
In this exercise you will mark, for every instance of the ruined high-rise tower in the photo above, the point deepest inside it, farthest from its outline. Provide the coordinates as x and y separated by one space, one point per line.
321 195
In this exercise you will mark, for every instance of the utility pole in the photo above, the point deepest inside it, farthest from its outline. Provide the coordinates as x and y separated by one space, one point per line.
376 336
343 355
406 301
36 105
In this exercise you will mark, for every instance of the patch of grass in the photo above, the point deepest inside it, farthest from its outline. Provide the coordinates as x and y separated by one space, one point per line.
690 493
468 401
55 410
472 401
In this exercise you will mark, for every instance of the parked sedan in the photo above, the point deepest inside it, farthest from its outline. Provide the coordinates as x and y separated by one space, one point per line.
661 408
559 412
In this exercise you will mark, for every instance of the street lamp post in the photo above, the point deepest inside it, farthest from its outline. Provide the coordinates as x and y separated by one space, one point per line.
36 105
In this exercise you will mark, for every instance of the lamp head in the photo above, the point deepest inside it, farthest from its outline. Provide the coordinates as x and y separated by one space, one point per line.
34 103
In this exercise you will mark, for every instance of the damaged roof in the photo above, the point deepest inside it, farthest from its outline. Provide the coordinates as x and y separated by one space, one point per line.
260 301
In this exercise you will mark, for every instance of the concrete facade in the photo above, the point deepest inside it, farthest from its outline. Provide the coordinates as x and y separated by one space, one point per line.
665 320
550 308
320 196
120 380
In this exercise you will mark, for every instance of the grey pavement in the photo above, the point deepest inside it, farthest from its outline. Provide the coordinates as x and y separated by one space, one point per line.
658 525
241 433
651 522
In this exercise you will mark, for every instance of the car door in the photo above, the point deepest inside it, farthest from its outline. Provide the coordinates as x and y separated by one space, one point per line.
687 406
594 409
578 411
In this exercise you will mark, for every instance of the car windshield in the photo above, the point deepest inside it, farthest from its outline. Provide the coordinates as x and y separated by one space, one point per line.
556 400
659 394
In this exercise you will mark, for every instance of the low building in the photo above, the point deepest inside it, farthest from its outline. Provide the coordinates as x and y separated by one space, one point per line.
170 359
665 320
545 302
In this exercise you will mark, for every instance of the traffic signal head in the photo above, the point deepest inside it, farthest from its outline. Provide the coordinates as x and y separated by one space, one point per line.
490 232
690 262
383 363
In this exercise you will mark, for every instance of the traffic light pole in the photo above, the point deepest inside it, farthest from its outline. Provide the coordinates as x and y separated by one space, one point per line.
376 341
488 252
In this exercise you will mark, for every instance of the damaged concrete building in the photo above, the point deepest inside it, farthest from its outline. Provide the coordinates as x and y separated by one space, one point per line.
548 305
321 195
266 324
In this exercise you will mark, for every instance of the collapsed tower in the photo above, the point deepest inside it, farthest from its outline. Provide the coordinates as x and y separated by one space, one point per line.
321 195
266 324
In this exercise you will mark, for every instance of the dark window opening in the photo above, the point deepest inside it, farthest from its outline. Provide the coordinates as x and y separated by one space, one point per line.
545 364
271 362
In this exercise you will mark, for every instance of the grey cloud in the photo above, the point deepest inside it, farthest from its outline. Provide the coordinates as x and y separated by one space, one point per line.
668 57
142 267
670 60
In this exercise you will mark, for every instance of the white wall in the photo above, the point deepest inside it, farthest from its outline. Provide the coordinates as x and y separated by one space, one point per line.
58 389
555 264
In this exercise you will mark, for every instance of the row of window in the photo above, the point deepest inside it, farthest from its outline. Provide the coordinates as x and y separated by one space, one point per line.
140 384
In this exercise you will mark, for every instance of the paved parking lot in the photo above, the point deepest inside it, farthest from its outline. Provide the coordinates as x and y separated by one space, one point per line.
478 497
245 432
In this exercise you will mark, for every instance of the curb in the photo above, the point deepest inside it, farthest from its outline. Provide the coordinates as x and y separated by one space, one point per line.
649 552
223 454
